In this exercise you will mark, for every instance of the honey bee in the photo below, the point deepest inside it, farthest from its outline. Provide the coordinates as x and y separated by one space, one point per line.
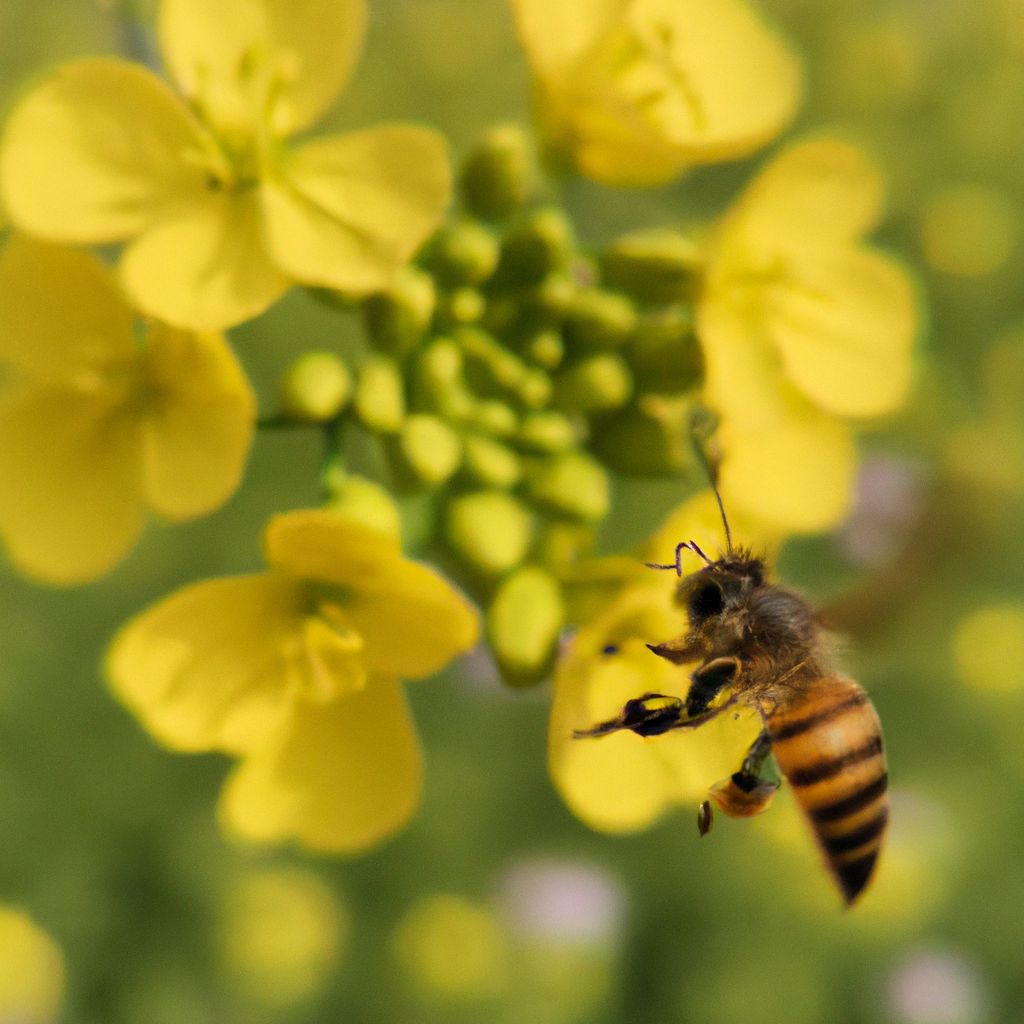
759 644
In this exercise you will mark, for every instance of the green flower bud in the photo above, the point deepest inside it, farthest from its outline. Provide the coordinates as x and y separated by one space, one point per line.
537 247
523 624
547 432
493 417
463 253
490 530
397 319
459 307
496 176
430 448
651 438
438 381
563 544
489 365
656 266
664 354
535 388
593 384
362 500
574 484
380 398
315 387
599 319
552 299
545 348
491 463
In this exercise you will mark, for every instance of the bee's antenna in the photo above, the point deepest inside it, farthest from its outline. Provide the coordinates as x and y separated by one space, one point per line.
683 545
712 475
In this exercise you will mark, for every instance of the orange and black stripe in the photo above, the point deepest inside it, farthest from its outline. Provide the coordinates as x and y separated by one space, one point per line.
827 742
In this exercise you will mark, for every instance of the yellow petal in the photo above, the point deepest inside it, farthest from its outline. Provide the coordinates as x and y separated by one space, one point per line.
199 424
786 464
77 339
32 971
338 778
237 59
820 192
348 211
796 475
96 151
205 668
206 267
71 499
554 35
412 621
845 323
665 84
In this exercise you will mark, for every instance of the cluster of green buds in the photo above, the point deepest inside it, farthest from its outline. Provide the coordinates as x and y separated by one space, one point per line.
508 373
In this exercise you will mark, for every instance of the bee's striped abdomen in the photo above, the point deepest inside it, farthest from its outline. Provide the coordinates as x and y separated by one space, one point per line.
827 742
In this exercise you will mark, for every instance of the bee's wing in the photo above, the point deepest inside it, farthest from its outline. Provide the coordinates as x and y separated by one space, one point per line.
827 742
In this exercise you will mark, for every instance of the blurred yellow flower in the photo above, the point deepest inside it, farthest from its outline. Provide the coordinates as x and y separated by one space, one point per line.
453 948
987 646
988 449
296 670
97 424
969 230
31 971
624 782
802 326
283 932
218 214
631 92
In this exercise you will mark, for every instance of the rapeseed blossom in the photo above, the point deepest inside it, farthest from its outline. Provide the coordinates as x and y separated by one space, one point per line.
803 326
296 672
219 214
631 92
623 782
31 970
99 423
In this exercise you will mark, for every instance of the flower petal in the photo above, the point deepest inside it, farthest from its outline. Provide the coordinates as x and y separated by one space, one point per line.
554 35
348 211
795 475
845 323
71 500
74 339
412 621
234 59
206 267
206 667
200 427
339 778
96 151
663 84
821 192
786 463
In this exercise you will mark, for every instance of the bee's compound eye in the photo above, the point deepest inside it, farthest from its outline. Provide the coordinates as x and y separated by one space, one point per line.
706 600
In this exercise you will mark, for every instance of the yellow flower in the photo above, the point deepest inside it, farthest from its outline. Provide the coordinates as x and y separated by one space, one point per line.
96 425
623 782
631 92
296 671
31 970
218 214
802 326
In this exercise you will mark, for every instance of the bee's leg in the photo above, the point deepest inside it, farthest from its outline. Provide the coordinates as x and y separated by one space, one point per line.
708 683
748 791
649 715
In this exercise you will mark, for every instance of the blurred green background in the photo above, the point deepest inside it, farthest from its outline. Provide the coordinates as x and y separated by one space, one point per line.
496 904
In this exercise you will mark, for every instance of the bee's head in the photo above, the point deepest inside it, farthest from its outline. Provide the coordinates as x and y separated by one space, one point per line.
720 586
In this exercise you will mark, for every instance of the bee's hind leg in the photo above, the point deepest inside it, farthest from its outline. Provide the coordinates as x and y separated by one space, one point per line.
746 792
